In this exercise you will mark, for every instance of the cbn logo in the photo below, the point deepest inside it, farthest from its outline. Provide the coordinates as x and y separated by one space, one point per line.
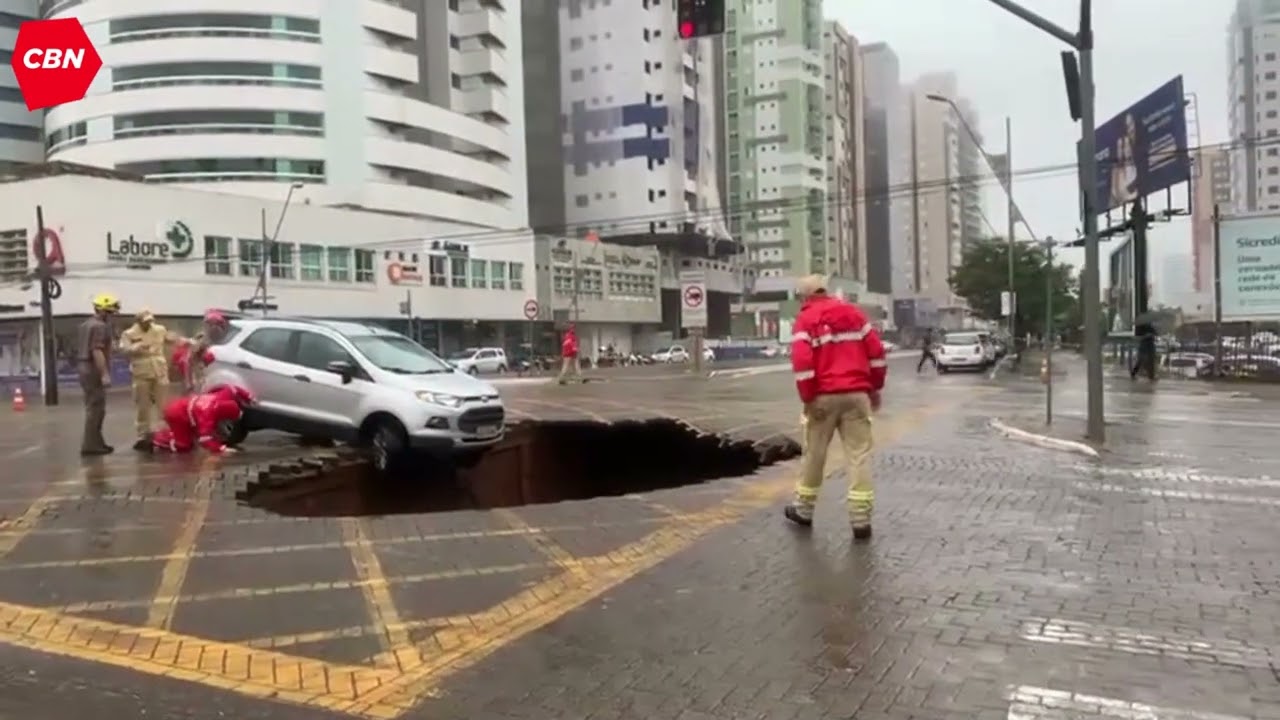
179 237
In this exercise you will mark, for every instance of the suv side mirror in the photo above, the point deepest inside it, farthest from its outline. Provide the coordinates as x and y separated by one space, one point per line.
342 368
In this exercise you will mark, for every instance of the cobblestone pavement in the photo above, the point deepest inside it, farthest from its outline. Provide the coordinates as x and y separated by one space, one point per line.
1004 581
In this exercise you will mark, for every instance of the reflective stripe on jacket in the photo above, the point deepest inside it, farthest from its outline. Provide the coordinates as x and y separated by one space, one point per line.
835 349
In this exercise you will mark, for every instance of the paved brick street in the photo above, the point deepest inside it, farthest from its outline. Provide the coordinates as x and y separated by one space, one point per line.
1004 581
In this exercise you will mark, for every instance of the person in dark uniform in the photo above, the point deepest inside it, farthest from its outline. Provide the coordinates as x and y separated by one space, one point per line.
93 363
926 351
1145 363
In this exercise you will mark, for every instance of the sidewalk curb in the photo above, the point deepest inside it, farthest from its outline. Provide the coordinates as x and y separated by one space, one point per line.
1044 441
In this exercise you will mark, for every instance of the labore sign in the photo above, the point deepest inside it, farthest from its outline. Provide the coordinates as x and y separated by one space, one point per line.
54 62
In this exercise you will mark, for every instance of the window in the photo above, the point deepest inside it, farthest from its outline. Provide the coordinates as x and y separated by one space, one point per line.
227 169
364 266
435 270
316 351
398 353
580 201
282 261
312 257
8 94
217 255
479 274
250 253
497 275
72 135
15 260
19 132
339 264
516 276
458 272
130 77
187 122
149 27
270 343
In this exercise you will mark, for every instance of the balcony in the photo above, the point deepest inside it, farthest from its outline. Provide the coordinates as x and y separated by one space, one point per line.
478 23
467 63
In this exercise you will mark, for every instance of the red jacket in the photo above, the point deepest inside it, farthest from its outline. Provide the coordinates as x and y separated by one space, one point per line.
204 411
569 345
835 349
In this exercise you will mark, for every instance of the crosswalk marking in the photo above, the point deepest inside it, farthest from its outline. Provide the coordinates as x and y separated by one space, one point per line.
1028 702
1126 640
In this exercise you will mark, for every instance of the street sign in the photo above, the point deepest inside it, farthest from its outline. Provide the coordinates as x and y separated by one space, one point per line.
1008 303
531 309
693 299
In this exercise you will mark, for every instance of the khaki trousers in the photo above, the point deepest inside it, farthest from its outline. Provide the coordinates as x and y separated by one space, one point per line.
849 415
568 366
148 393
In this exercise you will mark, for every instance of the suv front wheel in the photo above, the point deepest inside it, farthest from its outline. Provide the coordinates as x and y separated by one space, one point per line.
387 442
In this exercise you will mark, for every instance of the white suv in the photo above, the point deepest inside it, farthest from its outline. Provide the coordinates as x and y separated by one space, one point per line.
480 360
357 384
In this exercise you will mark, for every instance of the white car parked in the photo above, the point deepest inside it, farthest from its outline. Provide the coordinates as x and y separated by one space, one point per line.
965 351
677 354
480 360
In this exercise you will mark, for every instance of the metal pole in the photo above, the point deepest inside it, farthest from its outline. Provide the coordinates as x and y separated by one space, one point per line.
1096 425
577 282
1048 333
408 312
1082 41
48 349
1013 214
1217 289
266 260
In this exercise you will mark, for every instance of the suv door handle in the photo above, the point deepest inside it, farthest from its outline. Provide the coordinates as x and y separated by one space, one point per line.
244 365
302 378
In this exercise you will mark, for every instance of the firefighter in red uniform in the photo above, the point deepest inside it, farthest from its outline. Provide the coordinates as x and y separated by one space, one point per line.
840 368
193 419
569 354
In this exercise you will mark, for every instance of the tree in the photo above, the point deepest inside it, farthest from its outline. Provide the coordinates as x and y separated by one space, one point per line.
983 274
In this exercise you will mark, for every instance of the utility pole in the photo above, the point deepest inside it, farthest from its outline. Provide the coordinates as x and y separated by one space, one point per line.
1048 332
1082 42
577 286
1013 222
269 242
915 199
49 290
1217 289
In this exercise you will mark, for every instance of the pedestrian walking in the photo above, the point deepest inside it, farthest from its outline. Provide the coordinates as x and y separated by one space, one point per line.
1145 363
93 365
144 344
840 369
569 362
926 351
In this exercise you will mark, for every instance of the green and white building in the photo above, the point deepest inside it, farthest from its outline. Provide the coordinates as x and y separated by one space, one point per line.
775 138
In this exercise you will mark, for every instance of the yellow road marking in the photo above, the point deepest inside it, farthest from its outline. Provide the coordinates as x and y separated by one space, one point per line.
355 631
543 543
378 599
250 592
165 602
301 547
252 672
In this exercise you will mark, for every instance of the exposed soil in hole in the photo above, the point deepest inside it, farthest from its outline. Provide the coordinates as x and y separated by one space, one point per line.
538 462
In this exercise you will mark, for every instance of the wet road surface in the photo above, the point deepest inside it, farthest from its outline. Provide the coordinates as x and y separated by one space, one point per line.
1004 581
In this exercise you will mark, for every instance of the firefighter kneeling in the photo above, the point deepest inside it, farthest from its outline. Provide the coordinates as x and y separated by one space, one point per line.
194 419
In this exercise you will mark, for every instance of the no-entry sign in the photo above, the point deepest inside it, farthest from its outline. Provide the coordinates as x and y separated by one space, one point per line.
531 309
693 299
54 62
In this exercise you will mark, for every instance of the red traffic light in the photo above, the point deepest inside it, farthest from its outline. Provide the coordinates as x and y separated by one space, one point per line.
686 29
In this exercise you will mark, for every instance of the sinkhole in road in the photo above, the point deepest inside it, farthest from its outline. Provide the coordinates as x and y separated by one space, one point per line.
537 462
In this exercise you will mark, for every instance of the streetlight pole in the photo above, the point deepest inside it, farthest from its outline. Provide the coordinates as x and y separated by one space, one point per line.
269 242
1082 42
1006 176
1048 331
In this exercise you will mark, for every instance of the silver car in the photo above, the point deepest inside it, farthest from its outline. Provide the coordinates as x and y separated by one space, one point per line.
358 384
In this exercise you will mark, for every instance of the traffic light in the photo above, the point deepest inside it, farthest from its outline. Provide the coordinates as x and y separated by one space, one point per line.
700 18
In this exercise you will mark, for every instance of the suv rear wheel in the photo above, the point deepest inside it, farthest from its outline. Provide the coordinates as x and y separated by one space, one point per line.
474 370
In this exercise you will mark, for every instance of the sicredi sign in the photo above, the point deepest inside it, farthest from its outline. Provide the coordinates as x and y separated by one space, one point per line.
1249 268
174 241
54 62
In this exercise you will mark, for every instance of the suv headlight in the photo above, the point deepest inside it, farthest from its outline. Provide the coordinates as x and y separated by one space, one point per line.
452 401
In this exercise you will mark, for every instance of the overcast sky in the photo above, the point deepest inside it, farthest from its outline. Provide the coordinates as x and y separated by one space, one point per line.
1007 67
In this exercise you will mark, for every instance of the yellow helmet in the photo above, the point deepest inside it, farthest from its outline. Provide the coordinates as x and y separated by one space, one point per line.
106 302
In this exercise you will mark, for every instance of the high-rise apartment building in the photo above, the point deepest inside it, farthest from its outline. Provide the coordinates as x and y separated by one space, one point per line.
946 184
1253 41
846 207
890 260
414 107
1210 186
776 138
19 129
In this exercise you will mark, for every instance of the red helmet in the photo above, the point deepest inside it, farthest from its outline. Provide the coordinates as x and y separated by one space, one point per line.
214 317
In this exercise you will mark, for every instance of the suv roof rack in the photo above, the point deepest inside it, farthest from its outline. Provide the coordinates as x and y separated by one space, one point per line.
243 315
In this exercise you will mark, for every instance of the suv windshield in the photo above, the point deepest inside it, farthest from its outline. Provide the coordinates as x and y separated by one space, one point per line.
462 354
397 353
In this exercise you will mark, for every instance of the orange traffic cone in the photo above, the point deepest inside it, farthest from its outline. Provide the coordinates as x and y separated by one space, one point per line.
19 402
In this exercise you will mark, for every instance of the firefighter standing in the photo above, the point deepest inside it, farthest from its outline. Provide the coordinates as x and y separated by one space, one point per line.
569 355
144 343
189 359
840 369
93 365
